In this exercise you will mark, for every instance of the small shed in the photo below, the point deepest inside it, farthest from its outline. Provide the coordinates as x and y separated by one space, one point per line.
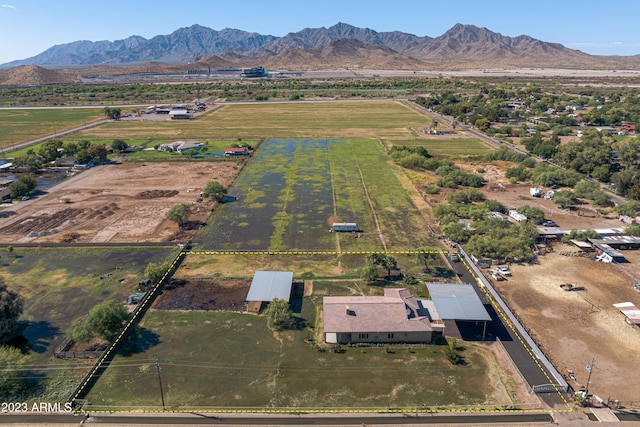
583 246
346 227
266 286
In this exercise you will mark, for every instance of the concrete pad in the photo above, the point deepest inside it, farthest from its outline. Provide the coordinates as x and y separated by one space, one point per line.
605 415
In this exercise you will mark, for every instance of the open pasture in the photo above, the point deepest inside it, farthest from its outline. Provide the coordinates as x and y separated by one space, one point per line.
27 124
445 147
278 121
62 284
292 191
235 361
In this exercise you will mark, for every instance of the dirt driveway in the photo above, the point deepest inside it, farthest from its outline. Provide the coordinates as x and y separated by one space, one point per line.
117 203
574 326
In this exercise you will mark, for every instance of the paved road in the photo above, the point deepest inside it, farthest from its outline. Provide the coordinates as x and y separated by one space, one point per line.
293 420
519 352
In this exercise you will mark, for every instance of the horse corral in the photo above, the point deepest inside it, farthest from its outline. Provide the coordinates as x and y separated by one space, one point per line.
566 303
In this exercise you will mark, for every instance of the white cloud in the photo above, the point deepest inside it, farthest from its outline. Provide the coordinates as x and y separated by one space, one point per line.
8 6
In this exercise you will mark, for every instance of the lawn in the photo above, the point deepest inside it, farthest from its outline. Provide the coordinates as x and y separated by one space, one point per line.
346 267
278 121
234 361
450 147
27 124
292 191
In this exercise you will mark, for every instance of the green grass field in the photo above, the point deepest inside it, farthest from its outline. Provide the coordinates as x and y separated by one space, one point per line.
449 147
278 121
292 191
28 124
61 285
230 360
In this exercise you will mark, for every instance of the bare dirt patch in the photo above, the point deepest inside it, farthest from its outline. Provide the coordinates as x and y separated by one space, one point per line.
574 326
227 295
118 203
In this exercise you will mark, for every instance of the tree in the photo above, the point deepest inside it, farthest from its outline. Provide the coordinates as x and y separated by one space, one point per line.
279 315
531 212
215 190
119 145
369 273
70 148
564 198
49 150
424 256
452 351
12 370
31 162
83 156
155 271
632 230
11 305
112 113
483 124
631 208
385 261
97 153
179 214
104 320
23 186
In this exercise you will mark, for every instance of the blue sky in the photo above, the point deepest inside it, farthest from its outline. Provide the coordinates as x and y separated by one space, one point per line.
28 27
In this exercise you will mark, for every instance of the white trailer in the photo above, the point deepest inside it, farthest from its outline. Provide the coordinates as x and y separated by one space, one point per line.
517 216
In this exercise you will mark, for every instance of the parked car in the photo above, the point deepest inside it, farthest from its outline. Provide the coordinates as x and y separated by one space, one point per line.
504 271
496 276
453 257
549 223
26 197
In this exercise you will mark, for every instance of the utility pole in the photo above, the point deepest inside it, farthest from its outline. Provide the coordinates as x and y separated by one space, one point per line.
590 368
159 369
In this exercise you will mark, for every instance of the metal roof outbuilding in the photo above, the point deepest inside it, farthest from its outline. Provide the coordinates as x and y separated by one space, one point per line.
457 302
267 285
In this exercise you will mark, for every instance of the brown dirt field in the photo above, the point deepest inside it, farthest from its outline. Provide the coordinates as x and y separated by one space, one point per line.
228 295
569 330
117 203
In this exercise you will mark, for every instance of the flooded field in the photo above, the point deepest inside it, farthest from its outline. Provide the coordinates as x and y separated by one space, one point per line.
292 191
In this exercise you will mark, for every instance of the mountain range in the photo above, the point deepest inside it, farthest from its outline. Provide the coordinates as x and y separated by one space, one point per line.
342 45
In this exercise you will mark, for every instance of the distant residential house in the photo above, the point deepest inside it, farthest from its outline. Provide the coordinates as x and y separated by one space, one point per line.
395 317
628 127
181 146
236 151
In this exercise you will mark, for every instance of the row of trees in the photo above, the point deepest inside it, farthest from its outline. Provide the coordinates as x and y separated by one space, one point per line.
53 149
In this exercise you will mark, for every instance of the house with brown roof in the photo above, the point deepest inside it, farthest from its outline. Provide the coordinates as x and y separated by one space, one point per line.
628 127
396 317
